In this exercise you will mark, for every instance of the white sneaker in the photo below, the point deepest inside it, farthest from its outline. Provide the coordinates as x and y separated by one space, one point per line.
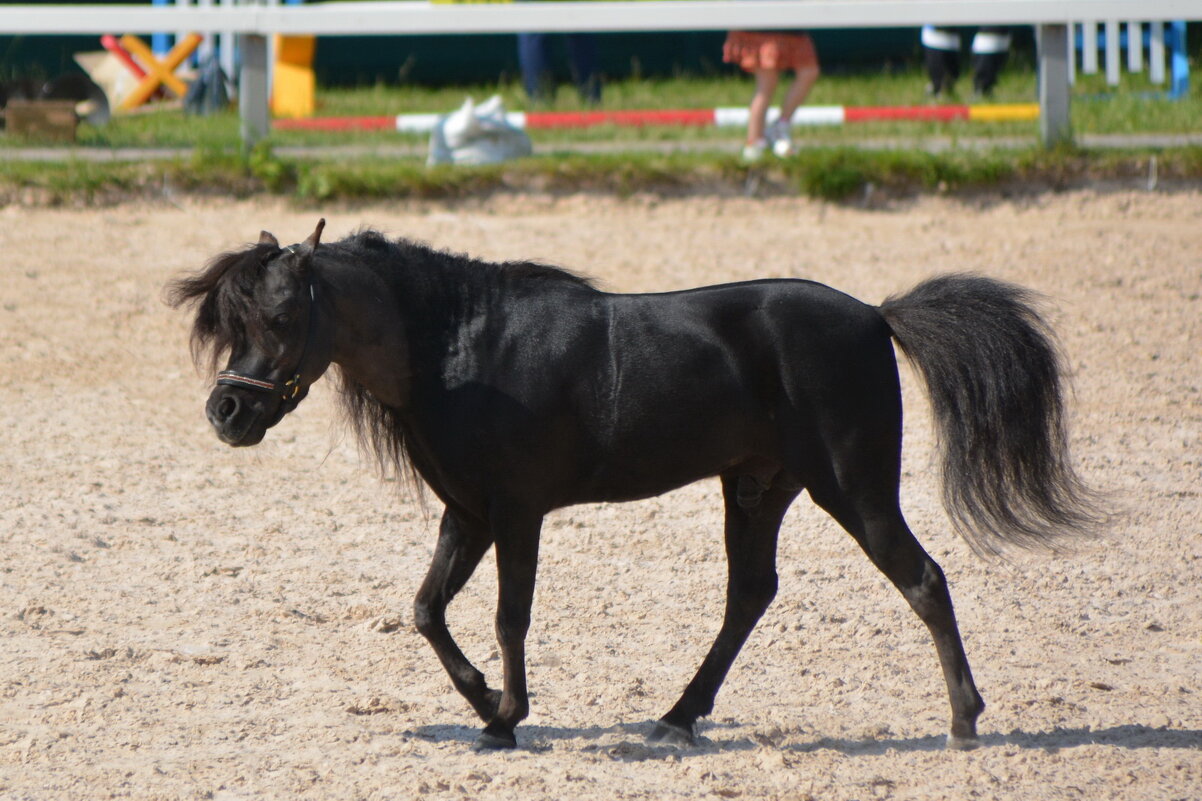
754 152
782 144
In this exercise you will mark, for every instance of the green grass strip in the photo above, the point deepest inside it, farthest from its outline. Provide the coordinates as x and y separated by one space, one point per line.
828 173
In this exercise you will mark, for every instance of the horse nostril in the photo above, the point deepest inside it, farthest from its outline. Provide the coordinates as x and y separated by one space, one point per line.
227 408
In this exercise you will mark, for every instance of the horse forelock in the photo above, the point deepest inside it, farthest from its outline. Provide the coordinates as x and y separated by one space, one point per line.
222 293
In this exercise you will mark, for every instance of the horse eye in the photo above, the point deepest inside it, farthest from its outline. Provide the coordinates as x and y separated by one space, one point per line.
281 320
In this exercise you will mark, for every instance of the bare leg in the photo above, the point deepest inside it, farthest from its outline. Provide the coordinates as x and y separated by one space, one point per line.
752 522
765 88
517 560
460 548
797 93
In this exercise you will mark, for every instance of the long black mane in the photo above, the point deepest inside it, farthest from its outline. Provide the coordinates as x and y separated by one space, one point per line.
454 279
227 319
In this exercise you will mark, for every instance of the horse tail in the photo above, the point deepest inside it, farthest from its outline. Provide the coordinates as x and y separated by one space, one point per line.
995 376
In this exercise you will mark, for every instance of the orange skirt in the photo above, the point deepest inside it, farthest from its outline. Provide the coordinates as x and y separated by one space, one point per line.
756 50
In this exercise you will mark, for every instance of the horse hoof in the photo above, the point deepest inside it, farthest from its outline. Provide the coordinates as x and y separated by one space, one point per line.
666 733
494 741
957 743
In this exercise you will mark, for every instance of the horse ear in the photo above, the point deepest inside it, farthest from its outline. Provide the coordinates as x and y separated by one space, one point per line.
267 238
315 238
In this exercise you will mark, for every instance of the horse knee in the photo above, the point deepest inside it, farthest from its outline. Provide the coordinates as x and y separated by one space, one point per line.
425 618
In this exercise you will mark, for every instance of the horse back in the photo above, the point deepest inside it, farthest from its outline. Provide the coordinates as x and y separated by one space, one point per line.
573 396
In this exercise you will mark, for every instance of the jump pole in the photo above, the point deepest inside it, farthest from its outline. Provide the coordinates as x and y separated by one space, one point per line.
717 117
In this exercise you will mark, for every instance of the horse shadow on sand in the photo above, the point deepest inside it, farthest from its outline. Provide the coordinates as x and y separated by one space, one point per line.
626 742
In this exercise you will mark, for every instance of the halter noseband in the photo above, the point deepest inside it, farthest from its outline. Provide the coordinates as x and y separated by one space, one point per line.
288 390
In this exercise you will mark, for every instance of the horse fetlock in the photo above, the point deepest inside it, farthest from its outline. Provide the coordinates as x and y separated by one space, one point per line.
963 736
512 711
486 702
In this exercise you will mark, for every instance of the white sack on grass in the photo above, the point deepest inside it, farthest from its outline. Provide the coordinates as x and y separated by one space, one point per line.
477 135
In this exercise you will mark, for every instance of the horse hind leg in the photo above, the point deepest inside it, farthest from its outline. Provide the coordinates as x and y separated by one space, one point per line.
754 510
882 532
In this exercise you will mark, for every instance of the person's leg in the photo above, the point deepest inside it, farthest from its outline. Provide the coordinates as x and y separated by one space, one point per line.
990 46
765 88
757 113
582 58
941 53
804 78
532 57
799 90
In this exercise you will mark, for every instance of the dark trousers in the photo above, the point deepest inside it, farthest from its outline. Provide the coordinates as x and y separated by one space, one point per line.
534 56
990 48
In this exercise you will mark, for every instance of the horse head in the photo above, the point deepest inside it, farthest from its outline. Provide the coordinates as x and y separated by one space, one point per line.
260 305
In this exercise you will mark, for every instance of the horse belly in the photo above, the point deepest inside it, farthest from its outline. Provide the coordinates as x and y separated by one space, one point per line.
670 445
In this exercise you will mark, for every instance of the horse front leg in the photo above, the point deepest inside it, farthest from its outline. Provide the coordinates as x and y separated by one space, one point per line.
753 518
516 538
460 547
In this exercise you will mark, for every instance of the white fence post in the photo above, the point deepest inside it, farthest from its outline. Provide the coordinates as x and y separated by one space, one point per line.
1135 47
1089 48
1113 51
182 5
252 88
226 47
1156 53
1055 125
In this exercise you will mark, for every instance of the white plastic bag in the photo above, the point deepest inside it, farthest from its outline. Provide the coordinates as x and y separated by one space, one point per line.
477 135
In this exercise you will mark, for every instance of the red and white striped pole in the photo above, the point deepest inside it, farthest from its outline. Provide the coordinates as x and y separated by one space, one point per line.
717 117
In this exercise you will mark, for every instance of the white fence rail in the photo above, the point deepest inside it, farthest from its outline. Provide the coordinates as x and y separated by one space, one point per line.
254 23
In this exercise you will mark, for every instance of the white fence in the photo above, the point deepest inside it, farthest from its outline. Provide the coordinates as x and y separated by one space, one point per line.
254 23
1165 43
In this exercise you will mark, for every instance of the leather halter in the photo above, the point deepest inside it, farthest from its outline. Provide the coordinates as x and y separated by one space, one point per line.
288 390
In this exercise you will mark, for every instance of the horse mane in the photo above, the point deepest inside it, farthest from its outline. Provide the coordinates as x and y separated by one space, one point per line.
221 292
376 247
380 429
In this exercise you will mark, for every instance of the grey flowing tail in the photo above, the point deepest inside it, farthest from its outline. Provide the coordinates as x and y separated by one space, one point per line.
995 379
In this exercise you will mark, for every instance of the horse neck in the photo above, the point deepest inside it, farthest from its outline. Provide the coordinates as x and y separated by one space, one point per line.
369 342
401 317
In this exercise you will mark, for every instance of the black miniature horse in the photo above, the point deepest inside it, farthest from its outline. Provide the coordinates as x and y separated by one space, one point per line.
514 389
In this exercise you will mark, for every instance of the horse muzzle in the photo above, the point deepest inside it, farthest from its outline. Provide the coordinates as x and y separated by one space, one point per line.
241 417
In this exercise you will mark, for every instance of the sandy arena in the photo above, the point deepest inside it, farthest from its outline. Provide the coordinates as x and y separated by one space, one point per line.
183 620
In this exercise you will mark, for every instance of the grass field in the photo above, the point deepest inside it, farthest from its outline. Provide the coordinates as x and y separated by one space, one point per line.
831 163
1134 107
